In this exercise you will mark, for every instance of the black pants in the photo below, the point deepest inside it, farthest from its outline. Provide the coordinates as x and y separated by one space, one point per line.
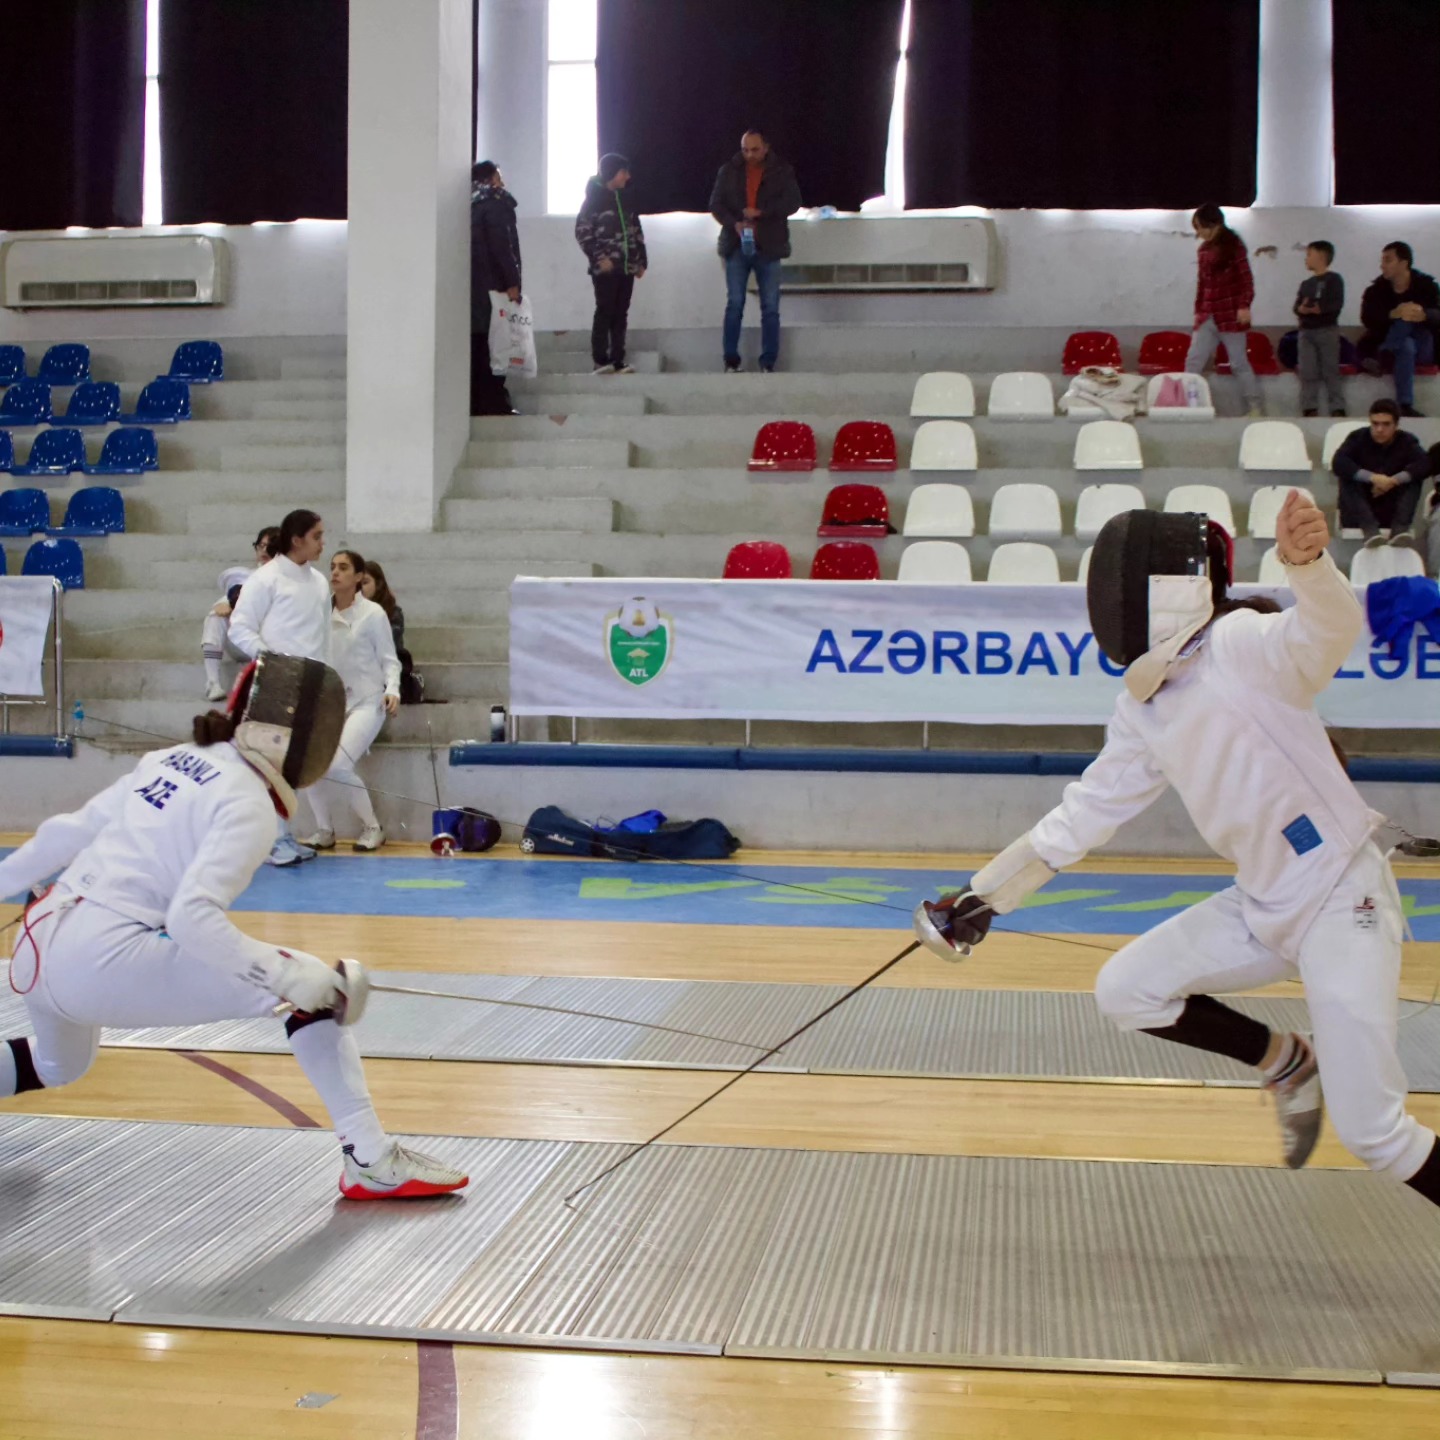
613 290
1362 509
488 395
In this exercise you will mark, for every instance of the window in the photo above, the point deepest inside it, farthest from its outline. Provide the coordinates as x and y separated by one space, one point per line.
571 139
151 209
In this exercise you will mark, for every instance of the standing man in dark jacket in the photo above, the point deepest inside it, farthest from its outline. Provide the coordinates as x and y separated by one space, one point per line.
1400 311
1380 472
754 196
494 265
614 244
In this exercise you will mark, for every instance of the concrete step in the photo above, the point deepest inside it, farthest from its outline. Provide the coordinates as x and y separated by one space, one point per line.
557 406
467 510
238 516
581 454
288 457
312 367
309 410
578 362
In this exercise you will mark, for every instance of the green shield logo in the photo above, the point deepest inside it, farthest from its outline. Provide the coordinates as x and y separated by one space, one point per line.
638 641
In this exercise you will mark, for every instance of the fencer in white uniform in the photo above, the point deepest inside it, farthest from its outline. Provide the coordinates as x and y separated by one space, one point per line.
135 930
215 629
1219 704
362 651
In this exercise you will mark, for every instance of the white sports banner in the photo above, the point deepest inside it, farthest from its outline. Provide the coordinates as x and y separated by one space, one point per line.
25 605
873 650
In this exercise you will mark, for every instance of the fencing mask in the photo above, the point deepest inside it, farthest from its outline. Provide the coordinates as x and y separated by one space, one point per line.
289 715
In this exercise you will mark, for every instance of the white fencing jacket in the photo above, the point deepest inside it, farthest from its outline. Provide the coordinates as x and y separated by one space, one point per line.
362 650
169 846
285 608
1233 729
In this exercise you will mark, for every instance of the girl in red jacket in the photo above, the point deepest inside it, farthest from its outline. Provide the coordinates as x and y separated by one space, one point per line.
1224 292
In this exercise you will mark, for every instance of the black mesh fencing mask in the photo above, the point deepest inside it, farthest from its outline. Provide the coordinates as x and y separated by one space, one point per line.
292 716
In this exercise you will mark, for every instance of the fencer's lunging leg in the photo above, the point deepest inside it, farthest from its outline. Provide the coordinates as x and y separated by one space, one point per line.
331 1061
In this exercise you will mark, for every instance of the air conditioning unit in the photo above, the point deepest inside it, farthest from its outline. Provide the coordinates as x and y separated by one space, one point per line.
108 271
887 254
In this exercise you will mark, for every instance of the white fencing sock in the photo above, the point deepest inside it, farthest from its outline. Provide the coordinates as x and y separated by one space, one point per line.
330 1059
212 669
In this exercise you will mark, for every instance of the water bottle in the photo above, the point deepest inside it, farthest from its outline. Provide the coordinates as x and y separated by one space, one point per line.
747 239
497 723
1192 392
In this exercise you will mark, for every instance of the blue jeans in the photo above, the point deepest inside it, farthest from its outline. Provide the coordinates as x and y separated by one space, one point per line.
1411 344
767 279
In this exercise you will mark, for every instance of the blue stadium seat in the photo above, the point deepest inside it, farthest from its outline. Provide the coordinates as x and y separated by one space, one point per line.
161 402
199 362
96 402
7 450
55 452
95 510
61 558
12 364
26 402
24 512
128 451
65 365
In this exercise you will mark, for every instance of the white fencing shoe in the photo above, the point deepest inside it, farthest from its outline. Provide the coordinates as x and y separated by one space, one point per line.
320 840
372 837
398 1174
216 691
1299 1106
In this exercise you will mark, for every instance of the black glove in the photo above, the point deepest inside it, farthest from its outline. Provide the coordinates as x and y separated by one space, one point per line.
949 926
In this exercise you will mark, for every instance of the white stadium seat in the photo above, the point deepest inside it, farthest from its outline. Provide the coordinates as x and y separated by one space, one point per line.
1023 563
944 445
1107 445
940 509
1208 500
1274 445
1204 409
1384 562
935 562
1265 506
1336 436
1272 572
1084 572
1021 395
1097 503
944 394
1025 512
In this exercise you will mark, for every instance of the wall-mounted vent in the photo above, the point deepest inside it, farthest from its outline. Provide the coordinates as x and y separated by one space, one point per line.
890 254
110 271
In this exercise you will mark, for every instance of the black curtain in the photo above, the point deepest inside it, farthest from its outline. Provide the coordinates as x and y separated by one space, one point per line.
679 80
253 115
1082 104
1387 145
72 113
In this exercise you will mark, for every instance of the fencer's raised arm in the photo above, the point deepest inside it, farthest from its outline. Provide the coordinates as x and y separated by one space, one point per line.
60 839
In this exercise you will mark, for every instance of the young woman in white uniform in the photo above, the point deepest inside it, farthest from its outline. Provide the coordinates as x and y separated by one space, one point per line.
215 631
135 931
362 651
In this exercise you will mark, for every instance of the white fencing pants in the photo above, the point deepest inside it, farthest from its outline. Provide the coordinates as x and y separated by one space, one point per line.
1349 964
341 783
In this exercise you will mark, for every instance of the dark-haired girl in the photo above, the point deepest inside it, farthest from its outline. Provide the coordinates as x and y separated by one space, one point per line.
1224 293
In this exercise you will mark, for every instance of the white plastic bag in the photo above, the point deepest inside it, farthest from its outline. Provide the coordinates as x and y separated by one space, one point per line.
512 336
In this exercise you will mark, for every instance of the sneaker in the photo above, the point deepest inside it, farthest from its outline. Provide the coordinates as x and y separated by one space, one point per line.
767 369
623 369
1371 367
603 370
1300 1108
215 691
733 367
372 837
320 840
1373 542
397 1174
1309 414
1254 413
1403 540
285 852
1409 412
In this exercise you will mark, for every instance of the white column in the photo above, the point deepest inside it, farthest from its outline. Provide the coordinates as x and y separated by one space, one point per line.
408 284
510 41
1295 146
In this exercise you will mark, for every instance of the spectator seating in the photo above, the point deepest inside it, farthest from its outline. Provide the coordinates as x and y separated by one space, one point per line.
1258 348
12 364
940 509
1273 445
93 402
1335 437
1021 395
26 402
856 510
944 445
943 394
1163 352
197 362
1107 445
61 558
784 445
1204 409
1272 572
1098 503
7 451
758 560
131 450
935 562
1265 506
55 452
1090 347
1025 512
161 402
1084 572
24 512
845 560
864 445
1208 500
1023 563
65 365
1384 562
95 510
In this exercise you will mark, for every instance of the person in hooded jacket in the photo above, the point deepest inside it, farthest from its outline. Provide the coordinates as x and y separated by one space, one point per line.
494 265
611 236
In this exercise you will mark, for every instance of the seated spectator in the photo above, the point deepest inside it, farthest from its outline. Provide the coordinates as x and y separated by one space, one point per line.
215 632
1400 311
1427 530
374 587
1380 472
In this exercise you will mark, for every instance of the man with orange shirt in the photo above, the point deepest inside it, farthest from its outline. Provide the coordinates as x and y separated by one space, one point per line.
754 196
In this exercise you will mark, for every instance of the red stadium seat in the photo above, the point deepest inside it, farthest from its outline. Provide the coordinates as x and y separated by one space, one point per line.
1090 347
864 445
758 560
1163 352
845 560
784 445
1258 348
856 510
